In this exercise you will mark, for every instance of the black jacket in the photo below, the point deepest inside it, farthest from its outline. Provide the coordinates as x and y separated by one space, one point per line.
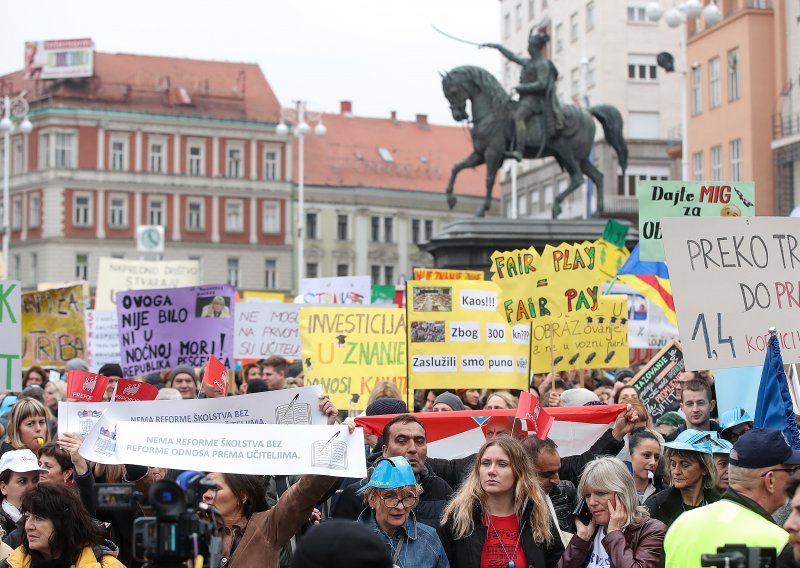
466 552
435 494
565 499
667 505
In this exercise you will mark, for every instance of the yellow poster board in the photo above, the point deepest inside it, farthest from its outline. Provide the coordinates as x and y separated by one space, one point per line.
53 329
444 274
256 296
457 338
609 258
349 350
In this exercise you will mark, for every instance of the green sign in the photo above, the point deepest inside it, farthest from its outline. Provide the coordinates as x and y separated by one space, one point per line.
383 294
615 233
659 199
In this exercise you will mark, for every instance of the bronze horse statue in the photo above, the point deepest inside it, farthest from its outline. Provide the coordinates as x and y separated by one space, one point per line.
493 132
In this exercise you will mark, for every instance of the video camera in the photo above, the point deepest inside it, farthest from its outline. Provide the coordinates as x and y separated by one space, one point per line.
740 556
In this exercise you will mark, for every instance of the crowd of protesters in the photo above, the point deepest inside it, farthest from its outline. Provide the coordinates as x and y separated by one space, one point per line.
645 493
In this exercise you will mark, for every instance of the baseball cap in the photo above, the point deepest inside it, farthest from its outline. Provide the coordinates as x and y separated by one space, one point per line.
19 461
692 441
733 417
763 447
391 473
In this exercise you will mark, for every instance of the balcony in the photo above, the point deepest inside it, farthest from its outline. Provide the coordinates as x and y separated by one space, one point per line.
783 126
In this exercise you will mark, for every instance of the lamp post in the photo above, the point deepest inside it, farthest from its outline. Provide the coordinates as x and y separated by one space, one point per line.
674 17
297 118
12 108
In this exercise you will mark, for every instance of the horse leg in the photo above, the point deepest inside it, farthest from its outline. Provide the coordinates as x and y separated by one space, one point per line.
597 178
494 160
576 179
470 161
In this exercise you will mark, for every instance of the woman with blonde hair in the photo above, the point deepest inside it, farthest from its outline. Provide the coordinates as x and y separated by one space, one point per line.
619 532
27 426
384 389
499 515
499 400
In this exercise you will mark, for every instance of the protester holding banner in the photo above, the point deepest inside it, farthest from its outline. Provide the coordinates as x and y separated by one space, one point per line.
391 493
27 426
184 379
499 515
620 532
645 450
273 372
114 373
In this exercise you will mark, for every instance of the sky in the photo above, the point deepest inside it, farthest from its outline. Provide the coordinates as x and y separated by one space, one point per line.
381 54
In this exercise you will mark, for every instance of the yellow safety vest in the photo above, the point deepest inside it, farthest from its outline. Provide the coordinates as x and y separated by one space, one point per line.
703 530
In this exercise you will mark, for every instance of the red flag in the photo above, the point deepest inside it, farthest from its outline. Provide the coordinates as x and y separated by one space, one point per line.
216 376
534 418
129 390
86 387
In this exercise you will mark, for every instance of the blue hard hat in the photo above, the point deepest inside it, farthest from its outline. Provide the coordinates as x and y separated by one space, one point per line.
692 441
720 445
734 417
391 473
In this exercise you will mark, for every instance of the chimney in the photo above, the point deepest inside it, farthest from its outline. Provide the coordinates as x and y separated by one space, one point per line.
422 120
394 115
346 108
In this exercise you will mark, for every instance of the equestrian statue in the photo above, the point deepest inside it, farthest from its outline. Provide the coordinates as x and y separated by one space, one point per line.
534 126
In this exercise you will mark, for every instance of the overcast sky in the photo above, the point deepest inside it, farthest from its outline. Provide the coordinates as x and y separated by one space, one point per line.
381 54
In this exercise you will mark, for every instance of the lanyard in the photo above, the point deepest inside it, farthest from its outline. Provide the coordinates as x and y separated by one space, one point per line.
513 557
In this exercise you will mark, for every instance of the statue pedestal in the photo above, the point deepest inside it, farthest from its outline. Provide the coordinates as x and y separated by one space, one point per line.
468 244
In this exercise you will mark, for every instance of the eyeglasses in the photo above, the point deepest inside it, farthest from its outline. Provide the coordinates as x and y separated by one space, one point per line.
789 470
393 501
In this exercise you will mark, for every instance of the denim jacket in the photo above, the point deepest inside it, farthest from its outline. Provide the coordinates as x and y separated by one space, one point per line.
421 547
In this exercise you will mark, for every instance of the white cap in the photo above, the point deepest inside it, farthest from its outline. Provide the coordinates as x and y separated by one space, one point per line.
577 397
19 461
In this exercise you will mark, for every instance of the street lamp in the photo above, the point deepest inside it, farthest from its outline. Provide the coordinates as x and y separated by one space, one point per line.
297 117
674 17
12 108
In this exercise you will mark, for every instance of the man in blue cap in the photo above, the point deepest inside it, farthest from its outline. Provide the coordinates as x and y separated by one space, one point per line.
734 423
761 463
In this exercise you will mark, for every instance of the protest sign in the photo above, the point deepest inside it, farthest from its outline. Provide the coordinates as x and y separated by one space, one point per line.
597 340
256 296
288 406
216 376
648 326
738 388
130 390
660 199
348 350
255 449
53 326
534 418
160 329
383 295
445 274
609 258
655 381
10 335
118 275
86 387
102 338
457 338
615 233
732 280
339 290
267 328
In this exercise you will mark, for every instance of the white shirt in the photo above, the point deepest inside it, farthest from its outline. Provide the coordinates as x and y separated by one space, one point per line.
599 557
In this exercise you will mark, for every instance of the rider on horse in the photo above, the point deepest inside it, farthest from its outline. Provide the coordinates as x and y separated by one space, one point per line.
537 94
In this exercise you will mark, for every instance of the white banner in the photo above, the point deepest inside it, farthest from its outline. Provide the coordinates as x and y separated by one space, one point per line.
337 290
256 449
118 275
10 336
648 327
733 278
266 328
287 406
102 338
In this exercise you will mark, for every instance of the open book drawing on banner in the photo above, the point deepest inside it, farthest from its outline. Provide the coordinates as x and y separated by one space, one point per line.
329 453
106 443
293 413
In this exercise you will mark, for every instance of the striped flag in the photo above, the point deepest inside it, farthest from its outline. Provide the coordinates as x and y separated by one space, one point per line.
651 280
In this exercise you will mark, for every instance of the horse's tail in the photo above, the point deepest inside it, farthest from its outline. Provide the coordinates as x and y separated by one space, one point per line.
611 120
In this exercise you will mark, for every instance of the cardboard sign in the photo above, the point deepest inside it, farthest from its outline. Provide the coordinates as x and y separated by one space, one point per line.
655 381
457 338
340 290
648 326
348 350
118 275
10 335
733 279
216 376
129 390
160 329
444 274
615 233
53 326
102 338
86 387
598 340
267 328
659 199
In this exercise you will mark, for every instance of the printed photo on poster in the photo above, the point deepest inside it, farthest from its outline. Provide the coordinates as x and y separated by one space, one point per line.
433 299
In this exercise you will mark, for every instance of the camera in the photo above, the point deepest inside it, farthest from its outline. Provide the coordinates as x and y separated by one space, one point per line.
740 556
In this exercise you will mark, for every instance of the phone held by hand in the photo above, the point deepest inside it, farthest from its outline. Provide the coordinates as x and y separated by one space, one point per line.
582 512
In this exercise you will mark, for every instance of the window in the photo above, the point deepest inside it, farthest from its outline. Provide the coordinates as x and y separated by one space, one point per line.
342 269
575 82
415 230
559 37
637 13
233 272
697 166
531 9
736 160
375 272
643 125
589 16
642 67
157 158
118 211
716 163
697 90
342 227
376 229
17 162
626 185
194 215
270 218
196 156
312 270
270 274
733 75
590 73
119 154
518 16
82 210
428 229
506 25
16 213
64 153
714 83
81 266
270 165
44 151
312 229
388 272
155 211
522 204
573 27
35 213
233 168
535 199
388 233
234 222
34 267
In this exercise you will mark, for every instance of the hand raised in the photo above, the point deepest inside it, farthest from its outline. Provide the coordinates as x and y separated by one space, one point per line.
618 515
